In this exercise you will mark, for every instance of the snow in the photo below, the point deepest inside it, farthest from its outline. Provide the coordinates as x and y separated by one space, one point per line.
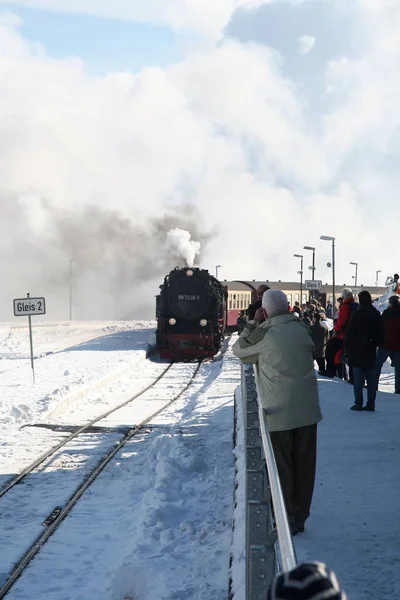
383 302
354 525
157 523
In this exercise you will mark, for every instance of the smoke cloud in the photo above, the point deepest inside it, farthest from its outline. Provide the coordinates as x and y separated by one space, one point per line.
113 262
179 244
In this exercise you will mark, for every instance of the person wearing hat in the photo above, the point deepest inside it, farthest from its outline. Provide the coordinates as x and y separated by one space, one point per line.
391 344
307 581
363 335
282 346
335 343
252 309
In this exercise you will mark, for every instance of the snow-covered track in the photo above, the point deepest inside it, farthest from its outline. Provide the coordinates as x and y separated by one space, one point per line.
43 457
59 514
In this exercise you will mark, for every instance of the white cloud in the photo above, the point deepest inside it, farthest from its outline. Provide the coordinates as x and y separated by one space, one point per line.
306 44
207 17
225 130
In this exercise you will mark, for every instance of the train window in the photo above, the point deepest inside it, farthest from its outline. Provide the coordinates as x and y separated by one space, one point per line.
304 298
289 297
296 297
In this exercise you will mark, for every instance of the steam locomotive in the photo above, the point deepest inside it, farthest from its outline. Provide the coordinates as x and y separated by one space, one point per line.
191 315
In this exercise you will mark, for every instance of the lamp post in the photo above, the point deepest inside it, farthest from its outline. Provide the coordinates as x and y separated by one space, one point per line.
329 238
355 275
377 277
72 260
313 263
301 276
216 270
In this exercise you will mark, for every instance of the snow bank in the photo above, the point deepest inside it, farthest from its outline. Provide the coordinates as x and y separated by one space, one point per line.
63 376
158 521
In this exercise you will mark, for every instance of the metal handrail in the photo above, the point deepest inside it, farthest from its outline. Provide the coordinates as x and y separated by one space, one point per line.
287 551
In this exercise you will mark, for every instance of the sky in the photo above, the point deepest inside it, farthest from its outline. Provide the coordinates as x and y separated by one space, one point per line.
271 122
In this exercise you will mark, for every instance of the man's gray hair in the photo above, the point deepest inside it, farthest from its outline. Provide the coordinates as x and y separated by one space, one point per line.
346 293
274 300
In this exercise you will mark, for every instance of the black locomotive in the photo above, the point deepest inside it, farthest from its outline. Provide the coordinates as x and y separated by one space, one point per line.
191 315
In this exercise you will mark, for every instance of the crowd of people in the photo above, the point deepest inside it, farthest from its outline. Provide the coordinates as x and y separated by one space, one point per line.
353 349
284 342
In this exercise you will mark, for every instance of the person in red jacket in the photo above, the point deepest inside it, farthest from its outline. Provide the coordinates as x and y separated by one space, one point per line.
391 345
335 343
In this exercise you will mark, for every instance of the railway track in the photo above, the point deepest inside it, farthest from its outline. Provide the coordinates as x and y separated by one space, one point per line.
52 522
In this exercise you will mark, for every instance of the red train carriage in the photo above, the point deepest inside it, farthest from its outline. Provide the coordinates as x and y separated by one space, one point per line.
240 295
191 315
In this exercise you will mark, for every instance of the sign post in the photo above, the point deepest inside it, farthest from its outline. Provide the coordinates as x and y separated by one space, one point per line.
27 307
315 284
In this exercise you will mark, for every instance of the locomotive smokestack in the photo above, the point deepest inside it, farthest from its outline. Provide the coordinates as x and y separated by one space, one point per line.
179 245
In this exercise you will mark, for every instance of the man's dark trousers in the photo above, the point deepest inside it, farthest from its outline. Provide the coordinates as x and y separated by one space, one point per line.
296 457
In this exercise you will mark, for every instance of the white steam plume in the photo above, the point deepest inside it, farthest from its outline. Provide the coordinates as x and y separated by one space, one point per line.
179 244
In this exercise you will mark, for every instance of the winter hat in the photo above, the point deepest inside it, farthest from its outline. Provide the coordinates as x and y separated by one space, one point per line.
307 581
274 300
394 300
346 293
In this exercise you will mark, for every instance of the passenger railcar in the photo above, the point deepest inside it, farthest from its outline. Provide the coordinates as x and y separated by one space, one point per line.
242 293
191 312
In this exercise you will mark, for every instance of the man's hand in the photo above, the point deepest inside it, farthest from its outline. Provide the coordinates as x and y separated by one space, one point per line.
259 316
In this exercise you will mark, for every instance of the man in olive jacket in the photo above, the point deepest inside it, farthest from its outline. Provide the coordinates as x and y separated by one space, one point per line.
282 347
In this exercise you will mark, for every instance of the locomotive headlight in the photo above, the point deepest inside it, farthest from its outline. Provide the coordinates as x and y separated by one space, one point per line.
203 322
189 273
172 321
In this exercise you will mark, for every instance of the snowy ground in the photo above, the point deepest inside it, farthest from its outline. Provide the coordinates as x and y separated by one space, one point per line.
354 525
158 521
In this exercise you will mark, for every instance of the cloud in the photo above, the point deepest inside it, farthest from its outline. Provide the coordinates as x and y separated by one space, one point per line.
206 17
306 44
223 131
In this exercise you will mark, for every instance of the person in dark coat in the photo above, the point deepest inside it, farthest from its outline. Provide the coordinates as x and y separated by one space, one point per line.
253 308
320 336
391 345
297 309
364 333
241 321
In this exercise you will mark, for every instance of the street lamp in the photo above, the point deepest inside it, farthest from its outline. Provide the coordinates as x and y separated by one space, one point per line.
313 263
377 277
355 276
329 238
301 276
72 260
216 270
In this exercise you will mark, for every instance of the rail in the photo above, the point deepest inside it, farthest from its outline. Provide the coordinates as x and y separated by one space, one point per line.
38 543
286 549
